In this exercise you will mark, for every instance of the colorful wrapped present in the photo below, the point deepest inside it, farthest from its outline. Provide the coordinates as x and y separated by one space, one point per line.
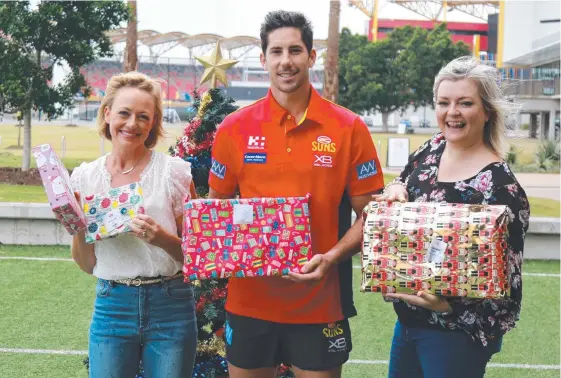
109 214
444 249
245 237
56 182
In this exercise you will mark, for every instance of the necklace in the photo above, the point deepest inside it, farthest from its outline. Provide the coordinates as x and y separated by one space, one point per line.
130 169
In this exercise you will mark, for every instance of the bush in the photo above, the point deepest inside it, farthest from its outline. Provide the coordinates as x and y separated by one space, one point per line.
549 150
511 156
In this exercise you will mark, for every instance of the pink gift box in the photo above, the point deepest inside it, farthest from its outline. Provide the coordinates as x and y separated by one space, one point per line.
56 182
248 237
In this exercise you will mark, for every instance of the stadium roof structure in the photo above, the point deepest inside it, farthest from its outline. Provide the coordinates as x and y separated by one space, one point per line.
432 9
152 38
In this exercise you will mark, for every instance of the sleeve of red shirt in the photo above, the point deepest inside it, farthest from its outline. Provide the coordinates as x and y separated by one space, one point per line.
222 177
365 174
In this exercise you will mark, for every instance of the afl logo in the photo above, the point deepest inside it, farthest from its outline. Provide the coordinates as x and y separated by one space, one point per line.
323 144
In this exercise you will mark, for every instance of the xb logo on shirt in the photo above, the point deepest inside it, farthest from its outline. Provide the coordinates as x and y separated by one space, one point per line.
323 161
324 144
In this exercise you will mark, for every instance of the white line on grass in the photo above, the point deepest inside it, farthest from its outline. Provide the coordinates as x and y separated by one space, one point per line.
359 362
34 258
524 274
490 365
43 351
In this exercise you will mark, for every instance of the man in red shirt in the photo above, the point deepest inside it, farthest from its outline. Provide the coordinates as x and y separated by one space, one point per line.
291 143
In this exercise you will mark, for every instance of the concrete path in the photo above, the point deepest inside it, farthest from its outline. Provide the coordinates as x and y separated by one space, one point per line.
540 185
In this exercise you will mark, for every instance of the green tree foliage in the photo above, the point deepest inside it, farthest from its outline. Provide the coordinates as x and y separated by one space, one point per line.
394 73
34 39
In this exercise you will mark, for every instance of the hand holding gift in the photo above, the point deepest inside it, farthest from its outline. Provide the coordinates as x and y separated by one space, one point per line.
147 229
56 182
423 299
109 214
395 191
313 271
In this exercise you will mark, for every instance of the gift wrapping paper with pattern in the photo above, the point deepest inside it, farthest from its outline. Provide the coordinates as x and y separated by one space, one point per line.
445 249
56 182
109 214
245 237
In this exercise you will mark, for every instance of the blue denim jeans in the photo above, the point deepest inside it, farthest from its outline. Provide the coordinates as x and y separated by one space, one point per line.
430 353
153 323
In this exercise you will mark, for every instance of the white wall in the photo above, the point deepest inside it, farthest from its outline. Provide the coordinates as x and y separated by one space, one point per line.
522 25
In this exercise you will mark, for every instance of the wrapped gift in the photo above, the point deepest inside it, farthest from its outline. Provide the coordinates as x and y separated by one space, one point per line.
444 249
109 214
56 182
245 237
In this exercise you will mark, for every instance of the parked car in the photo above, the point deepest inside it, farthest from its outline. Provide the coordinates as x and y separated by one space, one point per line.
171 116
368 121
406 122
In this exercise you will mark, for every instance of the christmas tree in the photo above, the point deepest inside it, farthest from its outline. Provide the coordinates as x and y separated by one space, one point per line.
195 146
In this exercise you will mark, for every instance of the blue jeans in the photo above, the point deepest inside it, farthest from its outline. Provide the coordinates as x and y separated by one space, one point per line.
430 353
153 323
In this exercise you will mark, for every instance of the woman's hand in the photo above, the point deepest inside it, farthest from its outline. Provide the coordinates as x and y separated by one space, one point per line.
423 299
393 192
147 229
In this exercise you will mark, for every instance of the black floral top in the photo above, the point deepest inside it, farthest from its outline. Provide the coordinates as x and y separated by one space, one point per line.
483 319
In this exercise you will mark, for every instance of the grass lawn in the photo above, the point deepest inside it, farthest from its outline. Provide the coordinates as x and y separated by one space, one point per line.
48 304
83 143
540 207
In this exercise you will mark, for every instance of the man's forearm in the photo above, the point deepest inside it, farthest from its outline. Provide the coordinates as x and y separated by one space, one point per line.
348 245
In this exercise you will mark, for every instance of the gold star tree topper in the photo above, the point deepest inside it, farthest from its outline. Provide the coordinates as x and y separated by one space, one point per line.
215 67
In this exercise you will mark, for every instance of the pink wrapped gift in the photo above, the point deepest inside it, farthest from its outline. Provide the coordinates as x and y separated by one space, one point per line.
245 237
56 181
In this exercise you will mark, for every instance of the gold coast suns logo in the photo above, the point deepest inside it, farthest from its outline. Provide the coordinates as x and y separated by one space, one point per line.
323 144
332 330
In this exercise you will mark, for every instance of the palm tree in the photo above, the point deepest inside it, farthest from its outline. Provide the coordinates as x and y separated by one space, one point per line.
331 69
131 58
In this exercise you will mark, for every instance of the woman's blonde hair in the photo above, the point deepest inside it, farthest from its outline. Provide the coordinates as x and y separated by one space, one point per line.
496 105
142 82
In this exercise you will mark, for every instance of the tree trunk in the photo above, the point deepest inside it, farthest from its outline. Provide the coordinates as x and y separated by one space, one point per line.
19 126
331 71
131 58
26 156
385 116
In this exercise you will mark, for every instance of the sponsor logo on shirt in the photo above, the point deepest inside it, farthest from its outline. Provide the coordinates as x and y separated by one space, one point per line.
256 143
323 161
324 144
218 169
366 170
255 158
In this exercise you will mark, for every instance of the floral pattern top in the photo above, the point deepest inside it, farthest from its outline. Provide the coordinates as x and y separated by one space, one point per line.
483 319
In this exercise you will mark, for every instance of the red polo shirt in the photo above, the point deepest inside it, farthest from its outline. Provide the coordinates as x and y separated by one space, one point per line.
264 152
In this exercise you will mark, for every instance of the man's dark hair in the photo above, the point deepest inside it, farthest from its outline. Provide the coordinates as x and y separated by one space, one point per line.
284 19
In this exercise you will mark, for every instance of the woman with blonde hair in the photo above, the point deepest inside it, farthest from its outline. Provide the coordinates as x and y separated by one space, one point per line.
442 337
143 310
